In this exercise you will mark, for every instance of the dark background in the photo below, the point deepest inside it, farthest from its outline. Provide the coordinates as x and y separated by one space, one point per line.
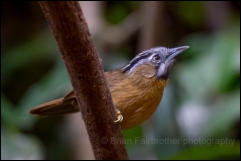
199 116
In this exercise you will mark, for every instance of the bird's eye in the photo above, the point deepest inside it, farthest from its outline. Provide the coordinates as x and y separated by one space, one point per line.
156 58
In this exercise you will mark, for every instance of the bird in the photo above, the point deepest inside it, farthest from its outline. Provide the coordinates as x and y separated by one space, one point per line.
136 88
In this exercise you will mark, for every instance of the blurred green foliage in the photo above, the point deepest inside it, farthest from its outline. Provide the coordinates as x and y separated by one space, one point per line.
202 98
195 10
117 11
210 153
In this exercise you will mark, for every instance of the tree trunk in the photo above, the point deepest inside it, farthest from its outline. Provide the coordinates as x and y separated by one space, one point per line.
87 77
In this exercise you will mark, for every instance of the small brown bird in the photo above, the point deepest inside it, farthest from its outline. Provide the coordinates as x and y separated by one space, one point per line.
136 88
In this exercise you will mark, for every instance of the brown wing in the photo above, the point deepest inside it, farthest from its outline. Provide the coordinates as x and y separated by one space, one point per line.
68 103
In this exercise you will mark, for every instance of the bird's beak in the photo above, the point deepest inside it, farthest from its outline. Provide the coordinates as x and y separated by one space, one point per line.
174 52
163 69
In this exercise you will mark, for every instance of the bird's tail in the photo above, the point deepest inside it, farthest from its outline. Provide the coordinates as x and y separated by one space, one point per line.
56 107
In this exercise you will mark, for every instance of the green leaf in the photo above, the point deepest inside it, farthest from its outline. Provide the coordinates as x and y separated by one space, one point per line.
210 152
225 113
53 86
132 136
10 119
190 12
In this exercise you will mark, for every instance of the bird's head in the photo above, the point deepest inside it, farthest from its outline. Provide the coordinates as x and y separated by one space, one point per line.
161 58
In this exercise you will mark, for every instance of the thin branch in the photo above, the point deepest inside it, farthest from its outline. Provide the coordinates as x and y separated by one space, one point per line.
87 77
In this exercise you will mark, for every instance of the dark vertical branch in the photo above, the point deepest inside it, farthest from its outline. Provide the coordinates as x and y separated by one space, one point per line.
87 77
152 30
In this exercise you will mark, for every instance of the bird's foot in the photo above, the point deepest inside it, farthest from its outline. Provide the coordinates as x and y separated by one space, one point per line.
119 117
